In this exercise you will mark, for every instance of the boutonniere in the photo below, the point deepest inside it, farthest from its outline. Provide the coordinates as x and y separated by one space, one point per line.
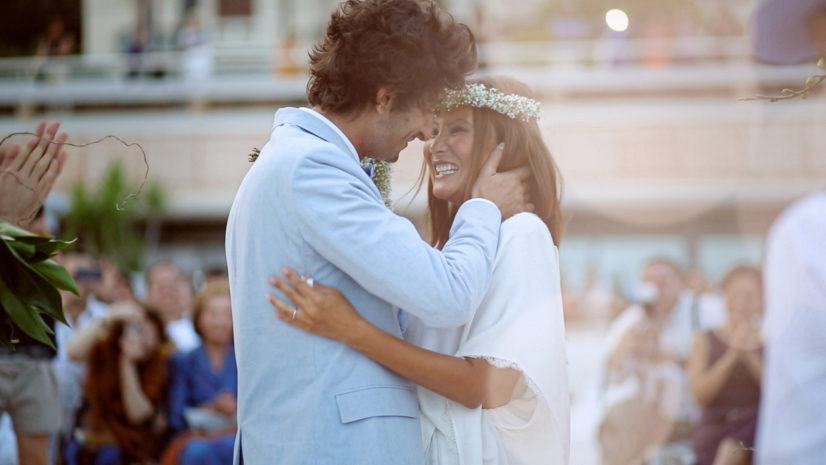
380 171
382 175
254 154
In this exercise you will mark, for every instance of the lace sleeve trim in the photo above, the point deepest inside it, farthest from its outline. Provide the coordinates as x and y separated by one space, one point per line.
503 363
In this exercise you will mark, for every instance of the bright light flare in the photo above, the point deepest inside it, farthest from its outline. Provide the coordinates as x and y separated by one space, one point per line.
617 20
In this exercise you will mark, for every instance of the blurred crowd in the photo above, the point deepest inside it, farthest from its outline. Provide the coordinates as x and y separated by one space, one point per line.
679 381
685 381
152 378
134 379
687 372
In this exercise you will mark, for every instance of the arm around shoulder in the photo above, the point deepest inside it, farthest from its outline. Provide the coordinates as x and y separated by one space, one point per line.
346 222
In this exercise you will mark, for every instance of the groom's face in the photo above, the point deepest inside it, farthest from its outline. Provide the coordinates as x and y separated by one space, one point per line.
397 128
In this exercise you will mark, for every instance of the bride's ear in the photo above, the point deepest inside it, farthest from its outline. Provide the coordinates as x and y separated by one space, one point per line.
385 97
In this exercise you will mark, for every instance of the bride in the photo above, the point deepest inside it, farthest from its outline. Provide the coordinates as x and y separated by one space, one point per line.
494 391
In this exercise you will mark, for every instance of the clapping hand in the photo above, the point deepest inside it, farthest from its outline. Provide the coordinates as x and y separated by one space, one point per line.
27 174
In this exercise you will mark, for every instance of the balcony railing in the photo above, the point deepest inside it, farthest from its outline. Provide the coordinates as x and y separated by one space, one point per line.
224 73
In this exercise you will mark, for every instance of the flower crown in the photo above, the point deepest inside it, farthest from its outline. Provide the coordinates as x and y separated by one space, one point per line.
480 96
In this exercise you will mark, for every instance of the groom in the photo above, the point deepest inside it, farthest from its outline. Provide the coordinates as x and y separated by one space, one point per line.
307 204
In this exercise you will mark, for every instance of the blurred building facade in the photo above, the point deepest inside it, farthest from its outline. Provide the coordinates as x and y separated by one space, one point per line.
658 155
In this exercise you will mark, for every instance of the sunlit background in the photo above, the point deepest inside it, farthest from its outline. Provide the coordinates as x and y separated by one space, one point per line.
641 108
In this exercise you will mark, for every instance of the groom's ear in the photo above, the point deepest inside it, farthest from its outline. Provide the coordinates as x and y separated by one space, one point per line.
385 97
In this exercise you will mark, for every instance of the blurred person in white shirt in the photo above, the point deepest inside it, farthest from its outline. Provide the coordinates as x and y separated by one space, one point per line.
791 429
662 323
87 274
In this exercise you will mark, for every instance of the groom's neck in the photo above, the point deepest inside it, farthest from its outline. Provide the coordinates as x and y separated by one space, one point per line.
356 126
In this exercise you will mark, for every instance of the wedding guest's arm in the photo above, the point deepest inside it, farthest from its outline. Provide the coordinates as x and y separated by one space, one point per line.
84 339
345 222
137 406
27 174
326 312
706 380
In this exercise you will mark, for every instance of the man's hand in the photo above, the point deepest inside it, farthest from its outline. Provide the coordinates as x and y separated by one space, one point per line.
27 174
507 190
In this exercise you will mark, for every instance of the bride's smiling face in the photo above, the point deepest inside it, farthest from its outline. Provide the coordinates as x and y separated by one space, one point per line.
450 155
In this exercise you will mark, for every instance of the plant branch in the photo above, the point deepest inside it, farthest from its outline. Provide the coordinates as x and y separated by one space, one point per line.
788 94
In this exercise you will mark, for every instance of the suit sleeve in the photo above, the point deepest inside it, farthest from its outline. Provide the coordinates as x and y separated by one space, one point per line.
346 222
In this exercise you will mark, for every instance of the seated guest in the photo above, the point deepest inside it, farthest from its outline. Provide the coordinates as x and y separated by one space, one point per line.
202 398
85 270
646 347
123 419
169 290
725 367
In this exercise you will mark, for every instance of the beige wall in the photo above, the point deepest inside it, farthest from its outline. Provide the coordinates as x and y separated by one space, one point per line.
653 162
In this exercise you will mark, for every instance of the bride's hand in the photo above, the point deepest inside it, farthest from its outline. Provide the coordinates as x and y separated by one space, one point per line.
318 309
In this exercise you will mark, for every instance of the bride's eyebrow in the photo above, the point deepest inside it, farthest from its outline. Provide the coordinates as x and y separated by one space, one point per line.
457 121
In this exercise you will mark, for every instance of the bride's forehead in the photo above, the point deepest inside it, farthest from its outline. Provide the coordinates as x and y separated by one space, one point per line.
461 113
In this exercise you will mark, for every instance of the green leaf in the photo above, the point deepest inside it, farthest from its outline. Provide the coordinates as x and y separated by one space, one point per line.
821 63
786 92
38 293
23 250
9 229
812 81
25 317
56 275
25 293
804 95
51 271
43 241
33 240
46 250
7 338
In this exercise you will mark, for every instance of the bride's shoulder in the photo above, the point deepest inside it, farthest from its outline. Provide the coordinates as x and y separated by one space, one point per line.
525 234
525 224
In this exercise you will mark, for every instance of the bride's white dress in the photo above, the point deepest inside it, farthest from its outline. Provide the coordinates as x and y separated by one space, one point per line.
519 324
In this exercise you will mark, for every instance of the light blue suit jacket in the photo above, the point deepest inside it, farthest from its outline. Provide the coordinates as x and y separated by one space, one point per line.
307 204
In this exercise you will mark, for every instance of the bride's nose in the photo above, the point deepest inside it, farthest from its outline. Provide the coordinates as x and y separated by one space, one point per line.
437 142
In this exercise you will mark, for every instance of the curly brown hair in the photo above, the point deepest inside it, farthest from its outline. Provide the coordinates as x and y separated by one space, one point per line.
410 46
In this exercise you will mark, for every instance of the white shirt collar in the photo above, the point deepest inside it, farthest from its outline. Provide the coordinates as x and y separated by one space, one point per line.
336 129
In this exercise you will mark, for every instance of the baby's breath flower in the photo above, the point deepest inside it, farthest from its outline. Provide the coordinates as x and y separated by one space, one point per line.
382 174
383 179
480 96
254 154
